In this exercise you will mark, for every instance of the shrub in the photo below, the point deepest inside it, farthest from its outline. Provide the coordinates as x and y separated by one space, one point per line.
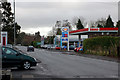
103 45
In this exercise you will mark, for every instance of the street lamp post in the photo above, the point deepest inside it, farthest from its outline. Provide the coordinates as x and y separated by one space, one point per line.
14 25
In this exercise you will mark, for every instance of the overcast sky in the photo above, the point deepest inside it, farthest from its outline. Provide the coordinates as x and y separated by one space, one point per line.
41 15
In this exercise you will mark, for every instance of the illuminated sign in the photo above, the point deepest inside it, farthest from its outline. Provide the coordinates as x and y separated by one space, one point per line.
65 36
65 29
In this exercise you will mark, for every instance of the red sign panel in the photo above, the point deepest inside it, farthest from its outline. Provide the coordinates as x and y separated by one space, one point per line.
4 41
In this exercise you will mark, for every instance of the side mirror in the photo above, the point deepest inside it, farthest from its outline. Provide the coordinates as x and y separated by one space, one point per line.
17 54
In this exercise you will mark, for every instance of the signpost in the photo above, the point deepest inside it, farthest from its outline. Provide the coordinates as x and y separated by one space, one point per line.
65 36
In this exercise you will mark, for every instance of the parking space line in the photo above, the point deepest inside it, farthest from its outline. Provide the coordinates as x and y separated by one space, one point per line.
27 76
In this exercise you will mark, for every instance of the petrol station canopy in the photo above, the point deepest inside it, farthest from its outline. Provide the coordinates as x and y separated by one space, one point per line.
88 31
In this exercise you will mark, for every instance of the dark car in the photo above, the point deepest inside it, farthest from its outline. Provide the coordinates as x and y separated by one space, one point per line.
15 58
72 47
30 48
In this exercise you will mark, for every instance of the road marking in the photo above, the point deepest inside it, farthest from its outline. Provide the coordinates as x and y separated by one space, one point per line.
27 76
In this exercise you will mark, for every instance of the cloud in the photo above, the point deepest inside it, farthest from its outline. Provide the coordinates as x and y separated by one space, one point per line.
34 15
66 0
43 30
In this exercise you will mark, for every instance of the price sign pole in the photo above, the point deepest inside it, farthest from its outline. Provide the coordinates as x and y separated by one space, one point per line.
65 36
68 40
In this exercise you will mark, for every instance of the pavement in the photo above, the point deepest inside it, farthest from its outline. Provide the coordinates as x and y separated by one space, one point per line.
71 52
56 64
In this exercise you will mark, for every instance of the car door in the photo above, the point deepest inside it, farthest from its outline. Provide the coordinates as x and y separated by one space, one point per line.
9 57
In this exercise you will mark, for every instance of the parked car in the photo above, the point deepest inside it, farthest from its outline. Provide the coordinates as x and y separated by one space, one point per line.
45 47
30 48
15 58
42 46
64 47
49 46
78 49
19 44
72 47
53 47
57 48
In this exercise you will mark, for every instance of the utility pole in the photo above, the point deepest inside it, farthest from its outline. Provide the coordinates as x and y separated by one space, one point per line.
14 26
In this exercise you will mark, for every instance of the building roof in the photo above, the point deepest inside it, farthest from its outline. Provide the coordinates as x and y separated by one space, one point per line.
93 30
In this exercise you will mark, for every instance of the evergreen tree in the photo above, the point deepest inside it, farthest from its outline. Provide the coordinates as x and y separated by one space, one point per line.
79 24
59 32
118 24
8 22
99 26
109 22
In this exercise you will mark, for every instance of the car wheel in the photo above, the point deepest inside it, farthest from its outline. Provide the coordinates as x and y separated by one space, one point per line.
26 65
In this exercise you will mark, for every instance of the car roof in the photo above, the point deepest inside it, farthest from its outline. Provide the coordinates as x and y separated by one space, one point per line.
30 46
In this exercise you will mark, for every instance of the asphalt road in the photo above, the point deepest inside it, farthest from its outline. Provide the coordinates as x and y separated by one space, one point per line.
55 64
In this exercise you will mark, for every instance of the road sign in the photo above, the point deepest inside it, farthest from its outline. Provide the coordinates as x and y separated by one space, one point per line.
65 29
4 38
64 34
64 39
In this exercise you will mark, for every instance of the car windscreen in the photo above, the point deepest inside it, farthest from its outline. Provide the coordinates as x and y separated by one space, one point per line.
19 51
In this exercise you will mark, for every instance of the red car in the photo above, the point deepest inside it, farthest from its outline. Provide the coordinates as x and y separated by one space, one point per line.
57 48
78 49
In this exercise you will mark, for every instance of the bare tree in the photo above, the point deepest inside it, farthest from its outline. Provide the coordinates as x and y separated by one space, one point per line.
92 24
50 33
58 24
66 23
101 22
75 20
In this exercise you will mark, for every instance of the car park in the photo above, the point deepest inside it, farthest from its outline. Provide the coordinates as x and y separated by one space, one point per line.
15 58
30 48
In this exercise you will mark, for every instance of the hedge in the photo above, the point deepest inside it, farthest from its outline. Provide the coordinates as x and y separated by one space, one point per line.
103 45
